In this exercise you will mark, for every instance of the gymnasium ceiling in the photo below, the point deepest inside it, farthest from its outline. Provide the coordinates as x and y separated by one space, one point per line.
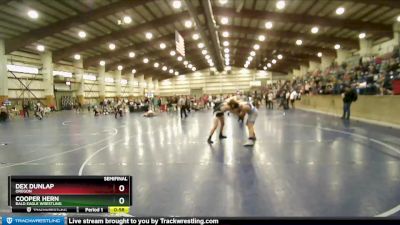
59 23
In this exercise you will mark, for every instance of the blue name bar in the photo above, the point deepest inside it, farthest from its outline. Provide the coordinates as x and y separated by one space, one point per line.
33 220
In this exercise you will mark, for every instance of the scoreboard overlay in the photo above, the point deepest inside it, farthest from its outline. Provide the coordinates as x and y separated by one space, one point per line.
96 194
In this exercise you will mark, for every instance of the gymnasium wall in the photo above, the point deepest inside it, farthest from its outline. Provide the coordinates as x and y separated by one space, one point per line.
34 82
213 82
205 81
384 47
376 109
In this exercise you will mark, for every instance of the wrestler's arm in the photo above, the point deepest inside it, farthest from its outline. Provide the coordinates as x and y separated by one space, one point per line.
245 109
225 107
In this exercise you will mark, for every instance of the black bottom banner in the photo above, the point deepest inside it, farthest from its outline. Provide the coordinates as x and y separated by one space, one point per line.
220 221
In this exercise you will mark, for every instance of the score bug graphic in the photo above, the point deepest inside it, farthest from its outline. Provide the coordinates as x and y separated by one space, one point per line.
69 192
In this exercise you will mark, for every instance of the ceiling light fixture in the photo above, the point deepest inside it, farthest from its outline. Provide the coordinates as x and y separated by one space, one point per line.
204 52
256 46
120 67
319 54
195 36
177 4
224 20
172 53
226 33
127 19
261 38
299 42
188 24
102 63
200 45
164 68
82 34
280 56
362 35
314 30
163 45
132 54
268 25
33 14
337 46
133 71
149 35
156 65
226 43
340 10
111 46
77 57
40 48
280 4
180 58
146 60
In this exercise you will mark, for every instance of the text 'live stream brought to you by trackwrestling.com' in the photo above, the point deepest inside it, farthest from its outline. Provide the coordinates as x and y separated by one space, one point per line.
139 221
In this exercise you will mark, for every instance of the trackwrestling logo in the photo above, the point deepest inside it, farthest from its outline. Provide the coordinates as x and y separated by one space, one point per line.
33 220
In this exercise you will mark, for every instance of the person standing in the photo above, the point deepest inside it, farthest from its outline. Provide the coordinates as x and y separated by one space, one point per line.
349 95
25 108
293 97
287 98
220 107
241 109
118 109
182 104
307 89
188 104
270 99
154 103
3 112
79 109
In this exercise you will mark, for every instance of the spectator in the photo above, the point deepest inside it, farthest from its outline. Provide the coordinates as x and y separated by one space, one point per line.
270 99
349 95
182 105
3 113
287 98
25 109
293 97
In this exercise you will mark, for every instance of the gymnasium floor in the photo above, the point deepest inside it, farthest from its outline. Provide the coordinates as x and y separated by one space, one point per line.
303 164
